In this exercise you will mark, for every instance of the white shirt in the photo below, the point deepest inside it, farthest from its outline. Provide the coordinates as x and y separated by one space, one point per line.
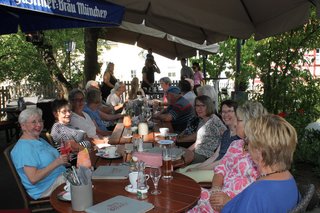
84 123
113 99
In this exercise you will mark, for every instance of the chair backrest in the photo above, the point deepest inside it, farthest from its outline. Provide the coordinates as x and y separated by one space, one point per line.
306 192
40 205
16 176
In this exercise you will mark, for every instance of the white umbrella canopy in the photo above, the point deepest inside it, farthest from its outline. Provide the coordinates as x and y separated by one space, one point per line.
216 20
161 43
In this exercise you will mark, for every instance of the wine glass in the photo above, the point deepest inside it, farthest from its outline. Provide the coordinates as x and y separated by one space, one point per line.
155 174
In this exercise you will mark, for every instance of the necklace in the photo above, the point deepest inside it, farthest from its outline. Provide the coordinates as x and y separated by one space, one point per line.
271 173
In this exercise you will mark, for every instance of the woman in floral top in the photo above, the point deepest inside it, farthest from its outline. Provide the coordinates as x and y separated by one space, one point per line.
236 170
210 129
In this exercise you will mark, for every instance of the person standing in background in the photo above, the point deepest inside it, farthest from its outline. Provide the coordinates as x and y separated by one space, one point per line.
148 74
108 81
197 77
186 72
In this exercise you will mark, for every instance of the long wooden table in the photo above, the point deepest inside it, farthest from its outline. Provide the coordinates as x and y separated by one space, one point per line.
177 195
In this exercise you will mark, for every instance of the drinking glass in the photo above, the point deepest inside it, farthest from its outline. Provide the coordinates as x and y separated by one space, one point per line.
155 174
167 163
65 149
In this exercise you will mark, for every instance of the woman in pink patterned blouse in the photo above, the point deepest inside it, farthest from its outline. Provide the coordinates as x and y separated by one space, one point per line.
236 170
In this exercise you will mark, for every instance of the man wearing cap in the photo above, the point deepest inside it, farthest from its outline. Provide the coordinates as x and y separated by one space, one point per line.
179 110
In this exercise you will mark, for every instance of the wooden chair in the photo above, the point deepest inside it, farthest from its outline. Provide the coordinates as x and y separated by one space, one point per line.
307 192
47 136
41 205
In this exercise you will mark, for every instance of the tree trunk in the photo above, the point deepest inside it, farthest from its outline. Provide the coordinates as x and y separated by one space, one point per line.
91 67
55 72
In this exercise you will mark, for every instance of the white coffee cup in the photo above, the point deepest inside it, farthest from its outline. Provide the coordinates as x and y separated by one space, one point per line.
111 151
164 131
133 177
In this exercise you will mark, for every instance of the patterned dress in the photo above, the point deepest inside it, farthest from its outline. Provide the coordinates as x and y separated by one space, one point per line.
209 135
238 171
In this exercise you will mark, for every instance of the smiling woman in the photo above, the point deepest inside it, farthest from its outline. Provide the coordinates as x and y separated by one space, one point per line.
38 164
62 131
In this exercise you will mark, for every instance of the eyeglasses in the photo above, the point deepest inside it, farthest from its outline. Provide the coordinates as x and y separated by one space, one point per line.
200 105
227 112
78 99
35 122
65 111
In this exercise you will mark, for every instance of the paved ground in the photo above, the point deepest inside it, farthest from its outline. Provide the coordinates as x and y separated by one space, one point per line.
10 197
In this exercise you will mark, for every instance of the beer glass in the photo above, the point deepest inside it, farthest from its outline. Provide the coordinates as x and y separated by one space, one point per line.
167 163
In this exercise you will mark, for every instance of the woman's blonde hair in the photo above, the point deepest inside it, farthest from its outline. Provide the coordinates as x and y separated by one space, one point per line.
274 137
134 88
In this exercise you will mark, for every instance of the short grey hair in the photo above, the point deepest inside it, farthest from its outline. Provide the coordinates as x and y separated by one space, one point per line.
73 93
93 96
250 110
117 87
165 80
27 113
90 83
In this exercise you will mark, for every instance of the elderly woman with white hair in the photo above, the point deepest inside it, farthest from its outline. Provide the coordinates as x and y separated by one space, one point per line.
115 98
39 165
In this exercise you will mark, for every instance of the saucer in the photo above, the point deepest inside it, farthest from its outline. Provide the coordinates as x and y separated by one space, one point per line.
107 156
64 196
165 142
129 188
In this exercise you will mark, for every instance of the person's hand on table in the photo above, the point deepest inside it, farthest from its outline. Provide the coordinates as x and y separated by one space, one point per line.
218 200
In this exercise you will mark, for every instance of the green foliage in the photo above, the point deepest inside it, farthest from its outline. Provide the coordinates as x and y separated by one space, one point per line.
20 60
308 149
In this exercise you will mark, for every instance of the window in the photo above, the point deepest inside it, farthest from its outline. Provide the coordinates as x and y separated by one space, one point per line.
133 73
171 74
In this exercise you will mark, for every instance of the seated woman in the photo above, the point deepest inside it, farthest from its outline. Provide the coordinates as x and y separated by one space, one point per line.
92 107
203 172
236 170
81 120
210 130
115 96
189 135
63 131
271 142
39 165
135 89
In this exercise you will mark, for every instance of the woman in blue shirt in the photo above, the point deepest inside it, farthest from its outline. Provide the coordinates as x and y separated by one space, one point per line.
39 165
271 142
